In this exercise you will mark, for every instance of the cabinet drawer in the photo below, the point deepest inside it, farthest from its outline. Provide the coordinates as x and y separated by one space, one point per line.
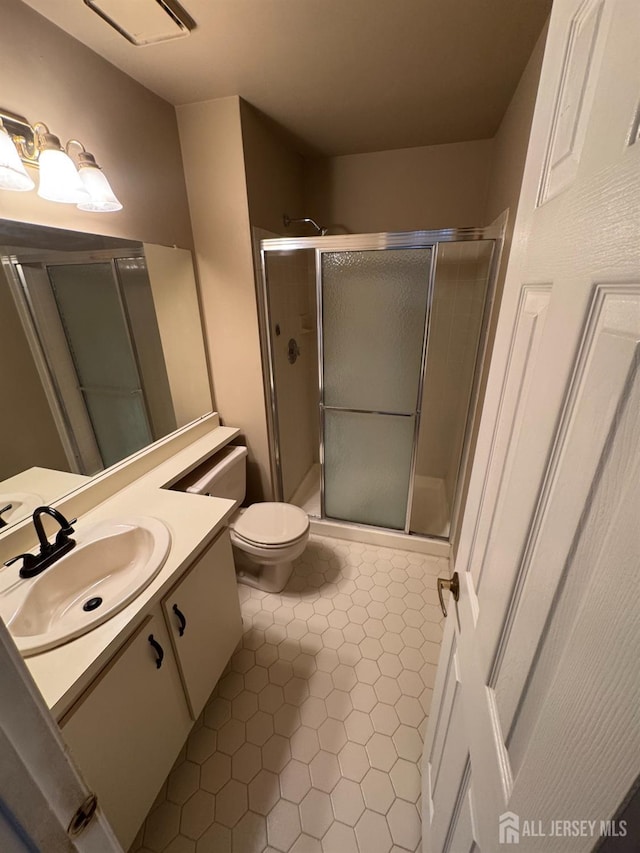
203 615
127 729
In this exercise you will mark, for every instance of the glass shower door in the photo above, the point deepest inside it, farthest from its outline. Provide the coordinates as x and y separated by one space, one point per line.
374 306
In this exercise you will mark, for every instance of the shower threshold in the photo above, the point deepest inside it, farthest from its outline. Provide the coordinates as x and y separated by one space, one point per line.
307 496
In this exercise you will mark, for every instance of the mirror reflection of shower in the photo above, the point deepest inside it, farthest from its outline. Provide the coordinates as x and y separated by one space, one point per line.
371 420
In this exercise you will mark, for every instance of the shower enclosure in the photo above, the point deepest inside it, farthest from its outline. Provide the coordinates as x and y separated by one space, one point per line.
371 351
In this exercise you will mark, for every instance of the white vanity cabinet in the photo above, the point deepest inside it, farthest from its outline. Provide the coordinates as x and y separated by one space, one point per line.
203 616
127 729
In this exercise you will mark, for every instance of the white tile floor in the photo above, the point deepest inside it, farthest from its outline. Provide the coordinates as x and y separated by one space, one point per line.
311 742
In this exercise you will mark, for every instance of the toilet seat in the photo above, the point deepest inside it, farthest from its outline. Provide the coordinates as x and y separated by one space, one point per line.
271 525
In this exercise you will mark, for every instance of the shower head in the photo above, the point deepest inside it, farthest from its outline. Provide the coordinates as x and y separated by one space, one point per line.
288 221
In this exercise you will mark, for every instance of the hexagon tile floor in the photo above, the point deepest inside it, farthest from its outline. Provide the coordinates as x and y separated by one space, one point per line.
311 741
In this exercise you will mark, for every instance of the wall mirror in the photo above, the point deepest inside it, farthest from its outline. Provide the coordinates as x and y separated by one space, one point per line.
101 354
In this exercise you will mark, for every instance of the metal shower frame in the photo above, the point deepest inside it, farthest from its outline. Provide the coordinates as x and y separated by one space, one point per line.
369 242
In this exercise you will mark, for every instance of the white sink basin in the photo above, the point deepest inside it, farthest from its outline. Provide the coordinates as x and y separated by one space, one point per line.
110 565
22 505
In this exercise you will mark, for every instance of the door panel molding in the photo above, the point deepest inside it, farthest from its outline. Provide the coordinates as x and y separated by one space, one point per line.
450 693
598 388
523 354
586 717
595 553
583 53
460 836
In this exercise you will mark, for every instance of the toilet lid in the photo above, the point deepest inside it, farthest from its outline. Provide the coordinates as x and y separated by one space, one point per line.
272 523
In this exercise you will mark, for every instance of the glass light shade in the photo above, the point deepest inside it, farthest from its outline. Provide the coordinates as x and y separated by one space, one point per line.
13 175
102 198
59 178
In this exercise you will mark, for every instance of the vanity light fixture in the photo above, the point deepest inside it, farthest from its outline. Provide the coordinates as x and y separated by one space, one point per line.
64 178
101 199
59 178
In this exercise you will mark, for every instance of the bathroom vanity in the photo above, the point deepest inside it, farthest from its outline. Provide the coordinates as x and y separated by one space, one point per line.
127 728
127 693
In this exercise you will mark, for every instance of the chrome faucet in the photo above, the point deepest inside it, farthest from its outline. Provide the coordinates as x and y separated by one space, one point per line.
50 552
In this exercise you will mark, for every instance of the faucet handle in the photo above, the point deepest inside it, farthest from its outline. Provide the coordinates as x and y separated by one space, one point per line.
62 536
28 560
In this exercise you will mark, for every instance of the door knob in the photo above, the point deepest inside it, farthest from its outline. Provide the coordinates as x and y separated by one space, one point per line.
453 585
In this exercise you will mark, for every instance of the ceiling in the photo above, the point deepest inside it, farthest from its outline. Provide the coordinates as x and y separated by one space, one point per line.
340 76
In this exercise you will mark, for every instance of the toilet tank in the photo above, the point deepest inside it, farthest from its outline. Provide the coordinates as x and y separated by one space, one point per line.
222 476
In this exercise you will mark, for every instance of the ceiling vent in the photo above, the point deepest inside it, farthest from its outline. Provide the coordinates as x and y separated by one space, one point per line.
144 22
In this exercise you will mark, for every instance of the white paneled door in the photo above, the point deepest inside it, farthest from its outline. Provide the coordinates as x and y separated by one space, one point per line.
535 724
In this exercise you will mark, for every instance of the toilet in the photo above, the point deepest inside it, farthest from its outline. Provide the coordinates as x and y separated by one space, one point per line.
266 537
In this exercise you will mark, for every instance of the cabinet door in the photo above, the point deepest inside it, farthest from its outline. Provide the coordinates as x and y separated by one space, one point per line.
203 614
127 729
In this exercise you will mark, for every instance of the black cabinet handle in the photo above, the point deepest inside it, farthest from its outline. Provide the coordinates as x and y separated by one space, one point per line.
181 619
158 649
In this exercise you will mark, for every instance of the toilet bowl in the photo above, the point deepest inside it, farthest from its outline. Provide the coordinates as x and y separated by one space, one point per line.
266 537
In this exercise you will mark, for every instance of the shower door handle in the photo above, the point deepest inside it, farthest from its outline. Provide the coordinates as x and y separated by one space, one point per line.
453 585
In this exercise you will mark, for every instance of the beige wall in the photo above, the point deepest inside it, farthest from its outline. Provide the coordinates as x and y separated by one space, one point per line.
244 177
211 139
274 173
28 435
437 186
510 147
49 76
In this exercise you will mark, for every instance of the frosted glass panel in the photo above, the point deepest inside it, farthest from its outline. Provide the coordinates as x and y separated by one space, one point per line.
374 306
94 324
119 423
367 464
460 290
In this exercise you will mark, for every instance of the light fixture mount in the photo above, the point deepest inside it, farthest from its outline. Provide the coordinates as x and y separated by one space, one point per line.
23 136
